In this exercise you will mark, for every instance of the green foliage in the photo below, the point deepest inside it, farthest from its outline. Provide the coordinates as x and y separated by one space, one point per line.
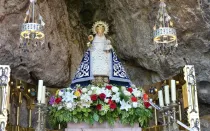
130 117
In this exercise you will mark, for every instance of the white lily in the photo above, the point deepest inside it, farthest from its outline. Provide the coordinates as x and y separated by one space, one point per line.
124 105
90 92
135 104
85 97
115 89
136 92
84 90
69 105
116 97
86 104
68 97
98 91
127 93
107 92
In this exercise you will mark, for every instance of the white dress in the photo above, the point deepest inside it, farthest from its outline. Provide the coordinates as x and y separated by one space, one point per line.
101 59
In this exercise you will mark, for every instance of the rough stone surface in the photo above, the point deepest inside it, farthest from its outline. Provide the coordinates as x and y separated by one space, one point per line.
68 23
61 52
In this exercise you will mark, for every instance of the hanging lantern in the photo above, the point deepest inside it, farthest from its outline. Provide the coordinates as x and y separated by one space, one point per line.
165 37
32 28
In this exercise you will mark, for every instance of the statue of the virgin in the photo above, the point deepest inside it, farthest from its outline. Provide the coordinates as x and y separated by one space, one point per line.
100 63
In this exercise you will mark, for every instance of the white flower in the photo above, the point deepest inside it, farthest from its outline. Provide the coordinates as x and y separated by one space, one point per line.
98 91
84 90
86 104
90 92
127 93
115 89
93 88
60 92
123 88
68 97
85 97
106 100
136 92
135 104
107 92
116 97
105 108
133 86
124 105
60 107
69 105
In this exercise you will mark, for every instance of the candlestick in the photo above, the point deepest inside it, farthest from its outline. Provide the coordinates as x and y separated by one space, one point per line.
40 85
173 90
43 94
167 98
160 96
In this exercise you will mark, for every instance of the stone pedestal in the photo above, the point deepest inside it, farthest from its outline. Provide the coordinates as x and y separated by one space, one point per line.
101 127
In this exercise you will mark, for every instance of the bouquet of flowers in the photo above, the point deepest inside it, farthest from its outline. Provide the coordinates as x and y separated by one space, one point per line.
99 104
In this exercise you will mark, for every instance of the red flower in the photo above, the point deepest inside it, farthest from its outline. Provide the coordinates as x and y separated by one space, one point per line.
109 87
110 102
147 104
98 107
130 89
102 96
80 91
145 97
94 97
133 99
113 105
58 100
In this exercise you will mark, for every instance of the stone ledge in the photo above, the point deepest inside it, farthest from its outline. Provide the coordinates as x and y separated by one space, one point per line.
101 127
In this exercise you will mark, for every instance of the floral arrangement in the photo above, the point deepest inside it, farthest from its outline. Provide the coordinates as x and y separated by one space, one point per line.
99 104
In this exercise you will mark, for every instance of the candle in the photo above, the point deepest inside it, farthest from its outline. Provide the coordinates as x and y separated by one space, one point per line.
167 98
160 96
43 94
173 90
40 85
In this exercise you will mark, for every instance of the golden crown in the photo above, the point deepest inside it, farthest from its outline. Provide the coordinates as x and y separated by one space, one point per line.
106 27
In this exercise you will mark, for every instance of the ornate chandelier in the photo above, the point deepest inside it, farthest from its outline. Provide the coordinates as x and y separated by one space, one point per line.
32 28
165 37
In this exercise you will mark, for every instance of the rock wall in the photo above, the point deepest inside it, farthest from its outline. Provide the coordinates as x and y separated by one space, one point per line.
56 60
131 21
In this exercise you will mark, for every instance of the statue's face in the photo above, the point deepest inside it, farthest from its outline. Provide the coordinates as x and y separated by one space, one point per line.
100 29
